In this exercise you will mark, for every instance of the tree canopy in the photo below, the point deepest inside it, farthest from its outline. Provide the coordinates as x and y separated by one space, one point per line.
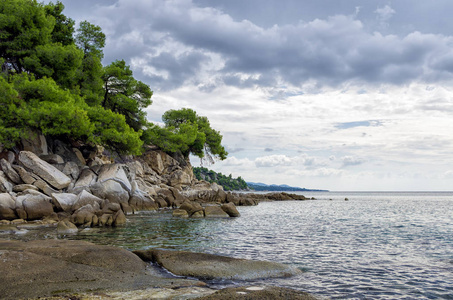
52 80
189 133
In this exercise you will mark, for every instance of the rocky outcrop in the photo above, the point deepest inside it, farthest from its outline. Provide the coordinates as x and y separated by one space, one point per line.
86 188
208 266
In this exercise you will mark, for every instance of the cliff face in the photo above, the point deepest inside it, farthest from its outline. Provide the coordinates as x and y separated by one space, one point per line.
54 181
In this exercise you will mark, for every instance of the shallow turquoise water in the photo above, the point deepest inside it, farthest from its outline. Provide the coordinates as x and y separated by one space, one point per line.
374 246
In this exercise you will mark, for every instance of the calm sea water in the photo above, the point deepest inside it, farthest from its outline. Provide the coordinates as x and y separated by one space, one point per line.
374 246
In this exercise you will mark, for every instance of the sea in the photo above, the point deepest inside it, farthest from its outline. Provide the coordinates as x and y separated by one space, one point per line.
349 245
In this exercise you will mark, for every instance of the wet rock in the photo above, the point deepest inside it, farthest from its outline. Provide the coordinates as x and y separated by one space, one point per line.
198 214
208 266
215 212
230 209
66 227
191 207
119 219
258 293
44 170
180 213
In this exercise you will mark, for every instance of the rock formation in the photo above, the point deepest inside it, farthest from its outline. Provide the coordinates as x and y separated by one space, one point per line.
87 188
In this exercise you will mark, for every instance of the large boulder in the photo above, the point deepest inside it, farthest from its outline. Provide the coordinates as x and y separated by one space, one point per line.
7 207
230 209
140 201
191 207
208 266
44 170
215 212
36 206
86 179
85 198
112 184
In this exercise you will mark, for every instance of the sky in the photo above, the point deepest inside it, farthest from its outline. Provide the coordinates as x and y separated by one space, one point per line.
327 94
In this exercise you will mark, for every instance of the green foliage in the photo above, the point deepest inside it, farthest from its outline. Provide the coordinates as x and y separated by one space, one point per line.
90 79
126 95
111 129
24 25
50 109
228 182
56 61
64 27
90 38
10 132
180 126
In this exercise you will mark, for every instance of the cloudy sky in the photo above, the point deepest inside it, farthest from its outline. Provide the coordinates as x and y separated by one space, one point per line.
327 94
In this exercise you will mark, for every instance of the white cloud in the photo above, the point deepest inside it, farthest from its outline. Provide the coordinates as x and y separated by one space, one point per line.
273 161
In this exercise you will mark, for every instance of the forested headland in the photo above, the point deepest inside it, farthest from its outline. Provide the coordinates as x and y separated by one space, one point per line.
227 182
53 81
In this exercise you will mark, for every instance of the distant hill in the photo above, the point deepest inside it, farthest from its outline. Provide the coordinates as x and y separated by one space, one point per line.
228 182
258 186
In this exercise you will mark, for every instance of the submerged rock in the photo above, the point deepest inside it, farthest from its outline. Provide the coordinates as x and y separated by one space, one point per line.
258 293
209 266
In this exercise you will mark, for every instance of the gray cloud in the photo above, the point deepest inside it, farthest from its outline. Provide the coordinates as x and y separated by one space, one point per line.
178 37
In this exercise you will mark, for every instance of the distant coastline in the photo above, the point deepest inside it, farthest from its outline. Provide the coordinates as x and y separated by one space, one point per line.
261 187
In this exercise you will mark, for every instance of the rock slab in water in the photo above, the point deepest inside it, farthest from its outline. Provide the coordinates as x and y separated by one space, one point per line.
48 267
209 266
258 293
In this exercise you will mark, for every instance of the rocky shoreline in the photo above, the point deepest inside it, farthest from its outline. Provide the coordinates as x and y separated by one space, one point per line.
51 183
